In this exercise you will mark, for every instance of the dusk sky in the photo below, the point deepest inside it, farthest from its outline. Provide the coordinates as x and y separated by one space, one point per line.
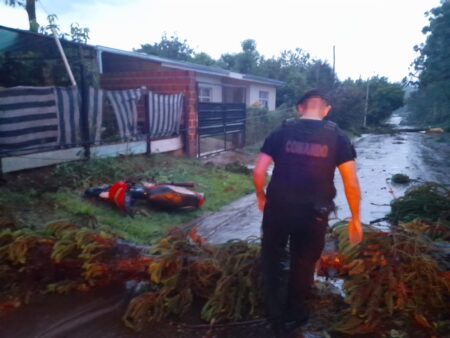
371 36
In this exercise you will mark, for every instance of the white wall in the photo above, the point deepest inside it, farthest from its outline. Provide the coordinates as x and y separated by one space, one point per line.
30 161
213 82
253 95
252 89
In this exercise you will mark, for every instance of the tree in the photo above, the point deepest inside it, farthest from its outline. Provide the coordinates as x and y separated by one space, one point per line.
289 67
384 98
203 59
431 102
347 102
244 62
30 7
320 75
170 47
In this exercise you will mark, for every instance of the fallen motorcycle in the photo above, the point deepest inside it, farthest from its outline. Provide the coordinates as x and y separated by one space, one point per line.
173 196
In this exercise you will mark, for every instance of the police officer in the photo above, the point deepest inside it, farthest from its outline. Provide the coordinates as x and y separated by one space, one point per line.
305 153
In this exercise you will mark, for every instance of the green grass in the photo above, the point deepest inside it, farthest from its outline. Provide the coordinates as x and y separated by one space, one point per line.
40 196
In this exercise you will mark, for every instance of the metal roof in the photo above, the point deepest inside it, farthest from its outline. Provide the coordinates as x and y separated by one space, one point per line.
14 40
10 41
208 70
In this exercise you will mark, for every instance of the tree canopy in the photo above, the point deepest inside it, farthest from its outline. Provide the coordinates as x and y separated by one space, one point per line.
300 73
430 103
170 47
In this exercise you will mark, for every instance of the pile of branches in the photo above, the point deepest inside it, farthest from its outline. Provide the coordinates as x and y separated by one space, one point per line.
223 281
428 201
218 283
61 258
391 277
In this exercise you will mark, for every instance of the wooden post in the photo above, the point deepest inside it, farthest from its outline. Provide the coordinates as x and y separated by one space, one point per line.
85 133
64 58
1 169
224 121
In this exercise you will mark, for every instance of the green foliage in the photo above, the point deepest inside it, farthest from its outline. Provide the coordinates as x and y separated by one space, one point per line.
430 104
261 122
428 201
170 47
348 101
384 98
319 74
244 62
34 67
36 61
203 59
299 73
290 67
77 34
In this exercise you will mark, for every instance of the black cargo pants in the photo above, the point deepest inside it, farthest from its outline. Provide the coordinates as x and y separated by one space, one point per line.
304 228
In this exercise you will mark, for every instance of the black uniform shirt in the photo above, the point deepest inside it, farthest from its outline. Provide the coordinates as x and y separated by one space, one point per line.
306 153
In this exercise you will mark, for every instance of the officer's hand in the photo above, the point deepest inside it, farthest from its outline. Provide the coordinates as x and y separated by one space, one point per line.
261 200
355 233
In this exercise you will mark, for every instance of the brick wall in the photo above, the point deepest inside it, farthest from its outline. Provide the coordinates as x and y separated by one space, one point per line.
160 80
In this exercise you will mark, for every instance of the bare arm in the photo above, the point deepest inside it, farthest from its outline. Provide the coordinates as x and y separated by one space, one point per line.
259 178
353 195
351 187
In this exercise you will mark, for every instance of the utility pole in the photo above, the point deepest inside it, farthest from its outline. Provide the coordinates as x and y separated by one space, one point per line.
63 56
366 108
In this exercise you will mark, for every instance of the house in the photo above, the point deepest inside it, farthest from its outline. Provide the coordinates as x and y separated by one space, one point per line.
200 84
211 95
214 84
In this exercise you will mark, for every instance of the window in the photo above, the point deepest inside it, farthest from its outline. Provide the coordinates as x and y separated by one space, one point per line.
264 99
205 94
233 94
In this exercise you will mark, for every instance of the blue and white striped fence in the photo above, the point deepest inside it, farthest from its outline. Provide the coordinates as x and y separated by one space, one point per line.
38 119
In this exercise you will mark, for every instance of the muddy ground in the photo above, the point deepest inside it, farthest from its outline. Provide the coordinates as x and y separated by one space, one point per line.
98 314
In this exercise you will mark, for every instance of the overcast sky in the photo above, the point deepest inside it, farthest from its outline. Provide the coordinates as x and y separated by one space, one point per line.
371 36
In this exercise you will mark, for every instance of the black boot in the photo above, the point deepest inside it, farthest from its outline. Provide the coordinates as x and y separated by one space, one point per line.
278 327
295 317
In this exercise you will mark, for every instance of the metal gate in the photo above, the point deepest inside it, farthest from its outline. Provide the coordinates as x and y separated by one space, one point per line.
221 126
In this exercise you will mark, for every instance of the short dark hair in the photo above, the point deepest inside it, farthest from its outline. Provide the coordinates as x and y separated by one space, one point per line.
314 93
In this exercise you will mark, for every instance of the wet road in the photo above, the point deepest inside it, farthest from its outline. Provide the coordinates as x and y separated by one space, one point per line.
420 156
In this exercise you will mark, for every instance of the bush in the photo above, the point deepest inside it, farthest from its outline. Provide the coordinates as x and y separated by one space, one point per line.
261 122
